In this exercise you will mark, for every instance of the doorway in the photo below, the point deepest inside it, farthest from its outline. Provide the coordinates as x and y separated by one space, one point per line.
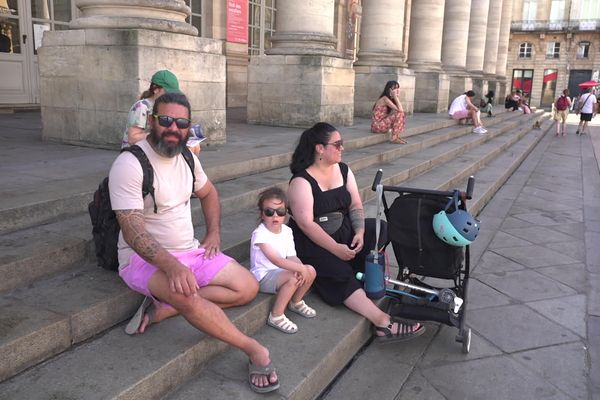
16 54
22 26
577 76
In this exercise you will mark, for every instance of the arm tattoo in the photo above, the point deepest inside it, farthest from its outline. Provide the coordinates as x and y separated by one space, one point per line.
357 217
135 234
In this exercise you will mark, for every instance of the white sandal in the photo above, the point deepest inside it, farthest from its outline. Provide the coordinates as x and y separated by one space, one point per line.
303 309
282 323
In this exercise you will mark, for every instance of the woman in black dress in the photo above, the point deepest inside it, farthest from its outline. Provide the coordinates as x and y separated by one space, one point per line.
324 187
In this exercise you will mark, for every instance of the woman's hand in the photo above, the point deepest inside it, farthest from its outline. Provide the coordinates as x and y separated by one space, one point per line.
357 243
343 252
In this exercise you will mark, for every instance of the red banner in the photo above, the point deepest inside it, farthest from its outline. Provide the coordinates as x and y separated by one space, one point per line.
237 21
550 77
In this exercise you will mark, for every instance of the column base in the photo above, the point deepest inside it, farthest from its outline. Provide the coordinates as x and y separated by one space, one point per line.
459 84
431 92
299 91
370 81
88 102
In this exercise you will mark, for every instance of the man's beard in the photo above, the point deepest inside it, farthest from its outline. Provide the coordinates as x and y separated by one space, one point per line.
165 148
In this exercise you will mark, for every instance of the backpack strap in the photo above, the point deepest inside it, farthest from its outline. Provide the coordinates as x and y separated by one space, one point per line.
147 170
189 159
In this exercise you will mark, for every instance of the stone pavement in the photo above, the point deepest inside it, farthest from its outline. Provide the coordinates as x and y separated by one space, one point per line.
534 300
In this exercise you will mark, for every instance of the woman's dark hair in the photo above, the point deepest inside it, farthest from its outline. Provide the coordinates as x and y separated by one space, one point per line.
386 92
388 87
566 92
304 154
470 93
271 193
173 98
490 94
150 92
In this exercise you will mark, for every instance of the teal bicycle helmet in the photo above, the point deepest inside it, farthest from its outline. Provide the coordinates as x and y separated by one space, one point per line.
457 228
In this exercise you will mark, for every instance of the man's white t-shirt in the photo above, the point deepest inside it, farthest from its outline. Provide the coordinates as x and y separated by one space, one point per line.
172 225
458 104
587 103
282 242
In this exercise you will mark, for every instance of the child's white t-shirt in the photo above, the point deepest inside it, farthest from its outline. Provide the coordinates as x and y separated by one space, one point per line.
282 242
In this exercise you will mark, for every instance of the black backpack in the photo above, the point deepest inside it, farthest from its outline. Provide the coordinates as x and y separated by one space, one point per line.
105 227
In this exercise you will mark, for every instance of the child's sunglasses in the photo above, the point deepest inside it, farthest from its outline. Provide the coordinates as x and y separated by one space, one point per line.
166 121
269 212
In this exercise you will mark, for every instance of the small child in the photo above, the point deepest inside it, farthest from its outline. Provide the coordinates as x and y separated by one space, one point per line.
274 263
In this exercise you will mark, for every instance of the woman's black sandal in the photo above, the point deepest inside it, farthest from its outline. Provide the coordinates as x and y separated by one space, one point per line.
404 333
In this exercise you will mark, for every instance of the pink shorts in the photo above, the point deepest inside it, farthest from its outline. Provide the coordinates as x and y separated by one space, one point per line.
460 114
138 273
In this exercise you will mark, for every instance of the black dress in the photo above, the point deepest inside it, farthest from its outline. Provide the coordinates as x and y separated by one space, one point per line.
335 278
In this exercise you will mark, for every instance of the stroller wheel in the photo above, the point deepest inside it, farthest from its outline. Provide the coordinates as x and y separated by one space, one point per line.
466 342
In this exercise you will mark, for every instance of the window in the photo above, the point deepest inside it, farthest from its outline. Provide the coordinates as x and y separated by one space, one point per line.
583 50
590 9
261 25
49 15
522 79
557 10
196 18
525 50
529 10
549 86
553 50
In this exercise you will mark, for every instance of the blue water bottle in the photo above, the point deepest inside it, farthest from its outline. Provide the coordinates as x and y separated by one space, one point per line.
374 277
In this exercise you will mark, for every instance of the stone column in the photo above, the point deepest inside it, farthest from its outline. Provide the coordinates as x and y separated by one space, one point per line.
303 79
507 10
454 50
112 51
476 44
381 56
424 55
491 44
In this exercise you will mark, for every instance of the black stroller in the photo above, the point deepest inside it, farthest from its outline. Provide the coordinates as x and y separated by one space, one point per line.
422 254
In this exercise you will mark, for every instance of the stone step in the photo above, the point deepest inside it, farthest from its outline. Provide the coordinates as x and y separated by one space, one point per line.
81 323
26 261
245 153
306 363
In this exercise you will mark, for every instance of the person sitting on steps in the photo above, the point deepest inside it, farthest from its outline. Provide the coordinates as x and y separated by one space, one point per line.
388 114
330 230
158 254
462 108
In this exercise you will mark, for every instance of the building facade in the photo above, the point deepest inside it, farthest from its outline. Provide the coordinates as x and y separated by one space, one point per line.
554 45
289 62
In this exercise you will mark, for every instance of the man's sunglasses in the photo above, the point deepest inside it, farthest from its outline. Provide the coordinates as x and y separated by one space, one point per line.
166 121
269 212
338 144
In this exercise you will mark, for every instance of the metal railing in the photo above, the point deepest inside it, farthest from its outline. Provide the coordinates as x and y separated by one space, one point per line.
583 25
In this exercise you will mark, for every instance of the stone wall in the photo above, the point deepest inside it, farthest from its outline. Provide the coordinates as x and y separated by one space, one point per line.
299 91
90 78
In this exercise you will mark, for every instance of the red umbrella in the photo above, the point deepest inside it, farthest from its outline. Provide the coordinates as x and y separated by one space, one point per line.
589 84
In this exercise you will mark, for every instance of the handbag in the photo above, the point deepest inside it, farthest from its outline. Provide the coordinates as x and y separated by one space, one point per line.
330 222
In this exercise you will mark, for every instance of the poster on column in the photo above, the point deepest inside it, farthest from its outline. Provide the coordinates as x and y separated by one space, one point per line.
237 21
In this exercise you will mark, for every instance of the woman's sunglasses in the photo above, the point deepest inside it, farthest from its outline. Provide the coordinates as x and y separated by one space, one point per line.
166 121
269 212
338 144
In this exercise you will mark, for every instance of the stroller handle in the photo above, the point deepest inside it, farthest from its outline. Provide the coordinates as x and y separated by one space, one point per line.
446 193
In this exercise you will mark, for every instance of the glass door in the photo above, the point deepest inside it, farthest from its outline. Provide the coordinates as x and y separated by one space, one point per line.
15 53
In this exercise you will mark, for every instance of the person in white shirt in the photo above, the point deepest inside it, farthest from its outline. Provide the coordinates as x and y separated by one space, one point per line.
274 263
587 108
462 107
159 256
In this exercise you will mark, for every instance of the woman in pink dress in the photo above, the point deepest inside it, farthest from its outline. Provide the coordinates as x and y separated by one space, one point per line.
388 115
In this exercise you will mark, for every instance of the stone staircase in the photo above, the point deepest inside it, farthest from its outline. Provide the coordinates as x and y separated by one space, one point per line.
61 318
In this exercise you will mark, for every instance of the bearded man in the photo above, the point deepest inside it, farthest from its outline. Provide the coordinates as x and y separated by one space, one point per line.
158 254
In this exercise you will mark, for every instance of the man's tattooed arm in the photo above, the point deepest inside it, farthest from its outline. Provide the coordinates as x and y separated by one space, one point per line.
135 234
